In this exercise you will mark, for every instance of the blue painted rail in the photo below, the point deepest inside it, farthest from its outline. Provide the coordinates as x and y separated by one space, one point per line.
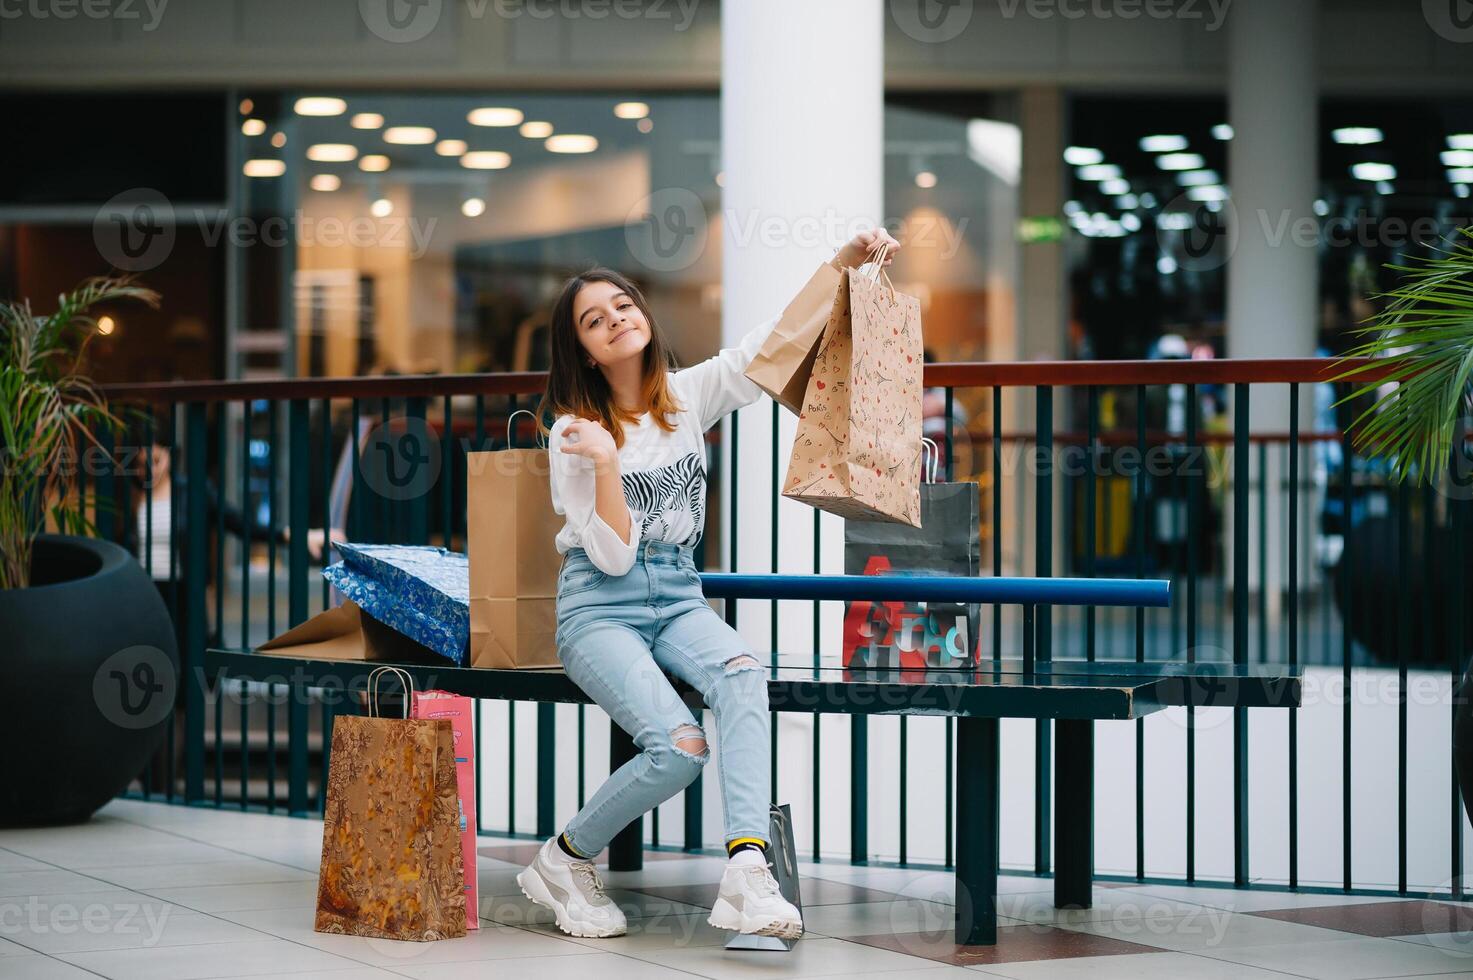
939 588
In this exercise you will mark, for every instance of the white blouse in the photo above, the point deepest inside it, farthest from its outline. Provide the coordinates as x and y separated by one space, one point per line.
664 473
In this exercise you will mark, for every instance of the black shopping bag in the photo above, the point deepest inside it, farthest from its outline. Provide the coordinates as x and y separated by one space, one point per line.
916 634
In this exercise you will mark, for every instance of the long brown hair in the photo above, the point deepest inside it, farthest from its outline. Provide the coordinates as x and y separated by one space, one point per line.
575 388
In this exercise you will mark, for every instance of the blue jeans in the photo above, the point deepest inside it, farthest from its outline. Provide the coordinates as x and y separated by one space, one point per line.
616 637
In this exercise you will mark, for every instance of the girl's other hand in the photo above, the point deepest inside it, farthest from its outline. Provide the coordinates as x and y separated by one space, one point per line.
856 249
589 439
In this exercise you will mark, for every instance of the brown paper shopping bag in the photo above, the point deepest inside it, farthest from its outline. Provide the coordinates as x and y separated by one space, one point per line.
391 859
514 563
782 366
857 450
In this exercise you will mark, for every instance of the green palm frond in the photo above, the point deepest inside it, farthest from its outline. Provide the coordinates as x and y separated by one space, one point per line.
48 416
1423 340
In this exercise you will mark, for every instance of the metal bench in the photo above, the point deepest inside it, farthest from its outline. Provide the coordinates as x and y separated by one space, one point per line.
1074 694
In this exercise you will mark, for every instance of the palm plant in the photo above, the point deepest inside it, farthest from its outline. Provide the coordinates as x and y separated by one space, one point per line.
49 414
1423 342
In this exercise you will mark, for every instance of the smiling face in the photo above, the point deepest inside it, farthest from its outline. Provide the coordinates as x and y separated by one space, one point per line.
610 326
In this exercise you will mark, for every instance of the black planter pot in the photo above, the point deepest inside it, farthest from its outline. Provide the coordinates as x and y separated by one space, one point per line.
91 670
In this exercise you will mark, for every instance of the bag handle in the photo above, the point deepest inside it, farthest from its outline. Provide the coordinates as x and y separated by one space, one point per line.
522 411
404 679
876 257
930 455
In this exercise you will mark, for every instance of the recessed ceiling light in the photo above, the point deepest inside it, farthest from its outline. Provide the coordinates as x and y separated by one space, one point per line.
925 179
1127 202
485 160
450 148
571 143
327 183
1198 178
536 129
319 105
473 207
332 152
1460 141
106 325
1179 161
645 125
1457 158
1222 131
253 127
632 110
278 139
1460 191
1384 187
1373 171
1099 171
1082 156
381 208
494 115
264 168
1208 192
409 135
1163 144
1460 175
367 120
1356 135
374 163
1114 187
247 107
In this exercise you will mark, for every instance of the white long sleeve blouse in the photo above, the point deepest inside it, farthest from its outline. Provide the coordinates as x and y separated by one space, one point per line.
664 473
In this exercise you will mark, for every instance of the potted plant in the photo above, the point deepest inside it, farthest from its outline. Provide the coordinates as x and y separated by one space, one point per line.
1417 425
89 649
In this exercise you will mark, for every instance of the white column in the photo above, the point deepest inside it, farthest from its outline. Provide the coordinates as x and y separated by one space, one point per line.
1273 274
802 127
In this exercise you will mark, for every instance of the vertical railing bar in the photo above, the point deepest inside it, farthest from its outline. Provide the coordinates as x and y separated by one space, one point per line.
273 457
354 517
298 496
384 531
327 528
975 642
222 438
776 498
145 546
1348 493
1091 529
1241 489
1403 616
1263 491
1140 628
248 523
1196 477
997 482
1042 633
447 476
1458 517
817 796
1293 631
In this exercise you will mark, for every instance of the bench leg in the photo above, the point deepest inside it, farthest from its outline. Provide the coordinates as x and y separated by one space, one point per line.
976 832
626 850
1074 824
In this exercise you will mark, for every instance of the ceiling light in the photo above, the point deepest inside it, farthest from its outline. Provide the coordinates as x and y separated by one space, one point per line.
278 139
1163 144
367 120
264 168
1321 207
473 207
1127 202
631 110
571 143
536 129
1082 156
381 208
645 125
925 179
1114 187
374 163
332 152
1460 175
1197 178
494 116
327 183
319 105
1460 141
1130 222
450 148
1099 171
1456 158
409 135
1222 131
1179 161
1460 190
485 160
1372 171
1072 208
1384 187
253 127
1210 192
1357 135
106 325
246 107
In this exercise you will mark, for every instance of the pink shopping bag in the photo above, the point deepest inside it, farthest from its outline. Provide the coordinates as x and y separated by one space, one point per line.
459 711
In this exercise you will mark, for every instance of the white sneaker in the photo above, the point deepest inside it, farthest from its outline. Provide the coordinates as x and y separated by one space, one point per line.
575 893
749 901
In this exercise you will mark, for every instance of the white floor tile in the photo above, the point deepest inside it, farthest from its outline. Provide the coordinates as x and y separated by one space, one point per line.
53 881
878 918
1108 904
39 967
653 933
588 965
518 910
1249 901
1204 930
236 871
264 956
119 927
15 861
233 898
353 973
1130 966
814 956
1349 959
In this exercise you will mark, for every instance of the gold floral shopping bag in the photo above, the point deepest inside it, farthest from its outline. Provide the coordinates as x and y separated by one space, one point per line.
857 451
391 862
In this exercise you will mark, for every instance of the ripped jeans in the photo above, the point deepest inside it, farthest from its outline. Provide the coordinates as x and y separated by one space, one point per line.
616 636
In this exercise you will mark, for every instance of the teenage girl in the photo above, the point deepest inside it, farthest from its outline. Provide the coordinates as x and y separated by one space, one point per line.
628 471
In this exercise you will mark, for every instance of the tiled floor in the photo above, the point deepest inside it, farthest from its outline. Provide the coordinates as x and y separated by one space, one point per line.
157 892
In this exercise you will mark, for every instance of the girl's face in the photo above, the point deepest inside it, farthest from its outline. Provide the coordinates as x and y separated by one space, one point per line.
609 324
